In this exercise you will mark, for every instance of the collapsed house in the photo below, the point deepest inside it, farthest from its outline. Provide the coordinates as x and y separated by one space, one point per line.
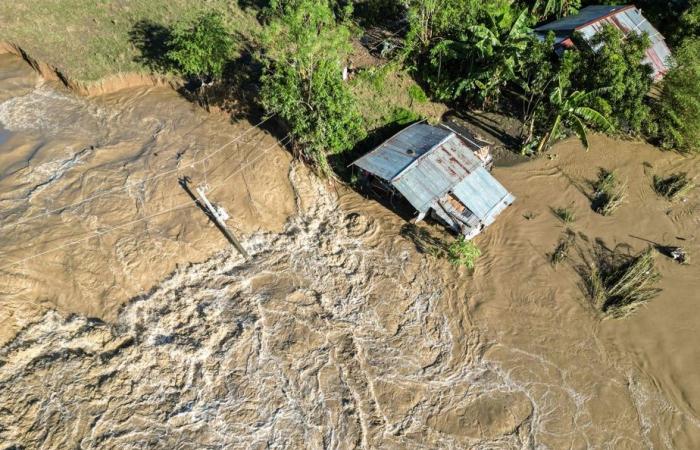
438 171
591 19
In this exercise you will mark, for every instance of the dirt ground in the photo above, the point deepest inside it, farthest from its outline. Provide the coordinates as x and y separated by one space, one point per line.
339 332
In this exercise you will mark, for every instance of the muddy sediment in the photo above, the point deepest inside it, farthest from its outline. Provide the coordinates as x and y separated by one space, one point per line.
338 332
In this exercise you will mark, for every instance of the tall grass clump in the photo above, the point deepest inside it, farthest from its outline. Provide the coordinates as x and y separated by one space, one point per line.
561 252
463 253
618 286
566 214
608 193
673 187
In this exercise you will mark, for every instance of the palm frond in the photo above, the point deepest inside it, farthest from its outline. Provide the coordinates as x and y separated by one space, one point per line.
594 117
580 130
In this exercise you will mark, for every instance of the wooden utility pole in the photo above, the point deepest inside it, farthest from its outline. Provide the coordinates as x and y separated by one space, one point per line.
215 214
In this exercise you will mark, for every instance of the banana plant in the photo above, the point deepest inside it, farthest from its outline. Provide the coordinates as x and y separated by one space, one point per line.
557 8
570 111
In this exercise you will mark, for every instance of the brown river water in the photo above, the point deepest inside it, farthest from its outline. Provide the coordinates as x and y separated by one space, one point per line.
127 322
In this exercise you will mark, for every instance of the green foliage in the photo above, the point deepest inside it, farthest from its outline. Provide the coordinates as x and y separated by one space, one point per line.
679 116
673 187
608 193
402 116
467 50
302 80
417 94
202 47
463 253
554 9
614 61
569 111
619 285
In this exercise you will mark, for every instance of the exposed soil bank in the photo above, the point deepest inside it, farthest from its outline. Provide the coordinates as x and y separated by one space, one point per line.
105 85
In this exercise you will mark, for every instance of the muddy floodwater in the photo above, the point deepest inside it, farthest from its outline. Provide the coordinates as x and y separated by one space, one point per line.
126 320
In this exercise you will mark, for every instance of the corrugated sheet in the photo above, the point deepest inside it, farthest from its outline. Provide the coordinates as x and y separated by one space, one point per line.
436 173
405 147
483 195
631 20
626 18
584 16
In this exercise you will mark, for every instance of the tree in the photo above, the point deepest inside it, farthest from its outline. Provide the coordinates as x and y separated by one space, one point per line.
615 61
202 48
570 111
304 52
467 50
679 117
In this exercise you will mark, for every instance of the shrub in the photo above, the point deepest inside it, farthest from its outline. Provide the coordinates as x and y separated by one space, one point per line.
619 285
202 48
463 253
608 193
402 116
674 186
416 93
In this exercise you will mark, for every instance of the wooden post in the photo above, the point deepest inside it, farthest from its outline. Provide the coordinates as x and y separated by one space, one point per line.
221 223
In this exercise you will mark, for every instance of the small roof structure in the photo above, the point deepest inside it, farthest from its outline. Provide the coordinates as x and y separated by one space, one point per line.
591 19
435 167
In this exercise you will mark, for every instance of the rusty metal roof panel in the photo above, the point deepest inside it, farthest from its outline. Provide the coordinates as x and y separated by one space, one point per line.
631 20
591 20
436 172
485 197
584 17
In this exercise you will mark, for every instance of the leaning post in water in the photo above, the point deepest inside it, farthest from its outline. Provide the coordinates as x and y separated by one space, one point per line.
222 224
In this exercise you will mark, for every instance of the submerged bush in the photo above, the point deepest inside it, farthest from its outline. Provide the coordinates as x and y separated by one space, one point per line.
561 252
463 253
609 193
619 285
674 186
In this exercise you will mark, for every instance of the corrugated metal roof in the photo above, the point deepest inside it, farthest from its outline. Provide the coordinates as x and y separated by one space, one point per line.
626 18
437 172
483 195
401 150
584 16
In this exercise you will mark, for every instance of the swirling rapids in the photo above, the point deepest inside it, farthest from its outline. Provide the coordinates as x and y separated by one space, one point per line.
319 341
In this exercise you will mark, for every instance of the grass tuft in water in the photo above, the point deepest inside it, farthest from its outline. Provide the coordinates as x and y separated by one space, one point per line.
608 193
566 214
561 252
619 285
673 187
463 253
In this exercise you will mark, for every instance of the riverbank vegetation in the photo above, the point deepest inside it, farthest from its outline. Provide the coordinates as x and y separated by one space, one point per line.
463 53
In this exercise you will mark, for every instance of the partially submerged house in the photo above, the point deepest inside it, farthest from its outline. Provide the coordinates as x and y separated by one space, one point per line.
439 171
591 19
